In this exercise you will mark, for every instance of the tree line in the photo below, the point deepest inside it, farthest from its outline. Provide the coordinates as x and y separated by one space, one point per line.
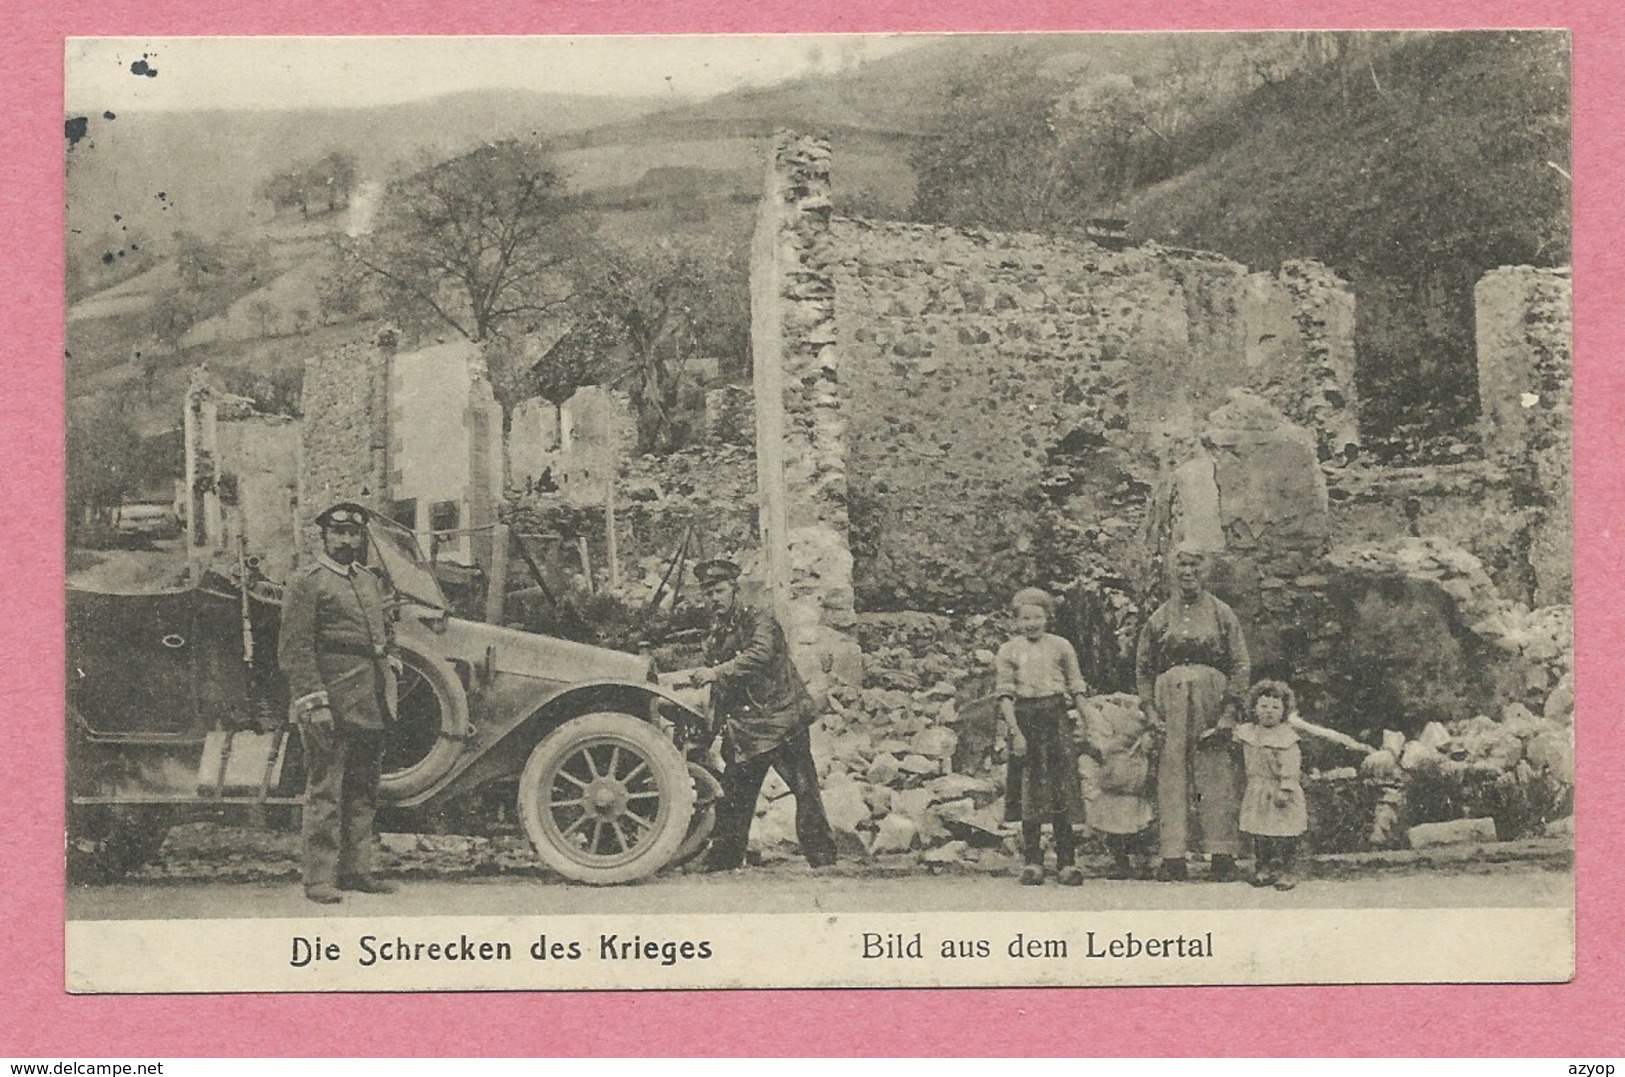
494 247
326 182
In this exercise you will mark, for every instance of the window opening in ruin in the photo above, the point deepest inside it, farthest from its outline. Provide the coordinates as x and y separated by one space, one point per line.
405 513
445 516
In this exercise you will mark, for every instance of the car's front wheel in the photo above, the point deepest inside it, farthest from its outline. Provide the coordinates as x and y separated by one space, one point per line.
606 798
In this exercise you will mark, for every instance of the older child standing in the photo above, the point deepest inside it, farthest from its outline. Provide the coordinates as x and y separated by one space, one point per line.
1037 672
1273 810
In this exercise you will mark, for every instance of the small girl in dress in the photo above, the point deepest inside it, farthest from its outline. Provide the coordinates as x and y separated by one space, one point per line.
1037 672
1273 810
1120 809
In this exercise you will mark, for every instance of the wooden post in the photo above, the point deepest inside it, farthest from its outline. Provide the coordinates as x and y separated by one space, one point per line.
586 563
611 552
496 594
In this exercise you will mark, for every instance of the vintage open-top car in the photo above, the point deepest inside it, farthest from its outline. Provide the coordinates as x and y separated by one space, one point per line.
175 711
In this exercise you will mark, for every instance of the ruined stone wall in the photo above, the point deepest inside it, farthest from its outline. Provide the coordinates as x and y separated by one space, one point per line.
258 457
533 441
1315 381
242 481
345 400
730 416
1526 392
433 440
1252 494
1471 504
596 430
971 361
801 431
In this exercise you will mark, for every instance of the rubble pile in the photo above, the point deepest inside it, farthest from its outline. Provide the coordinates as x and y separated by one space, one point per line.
905 760
1482 652
1517 743
658 498
886 764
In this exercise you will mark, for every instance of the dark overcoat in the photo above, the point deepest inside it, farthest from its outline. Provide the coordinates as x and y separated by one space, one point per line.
759 698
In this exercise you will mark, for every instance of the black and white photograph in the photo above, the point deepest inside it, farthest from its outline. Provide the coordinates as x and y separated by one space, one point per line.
812 511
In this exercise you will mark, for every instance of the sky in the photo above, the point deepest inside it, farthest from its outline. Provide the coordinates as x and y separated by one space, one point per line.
314 72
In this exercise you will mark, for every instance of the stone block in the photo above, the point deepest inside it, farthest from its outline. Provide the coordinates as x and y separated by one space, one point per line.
919 765
935 742
1552 752
1559 706
947 855
883 770
957 787
896 834
846 807
1453 832
399 843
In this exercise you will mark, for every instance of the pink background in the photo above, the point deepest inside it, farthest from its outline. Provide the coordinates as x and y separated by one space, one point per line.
1575 1020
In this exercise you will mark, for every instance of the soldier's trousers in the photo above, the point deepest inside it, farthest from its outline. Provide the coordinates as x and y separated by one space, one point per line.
742 784
342 768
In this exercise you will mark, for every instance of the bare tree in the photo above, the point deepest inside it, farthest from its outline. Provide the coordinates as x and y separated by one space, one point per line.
477 241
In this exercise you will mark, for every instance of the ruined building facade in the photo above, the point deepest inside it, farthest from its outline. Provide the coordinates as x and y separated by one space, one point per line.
944 415
415 436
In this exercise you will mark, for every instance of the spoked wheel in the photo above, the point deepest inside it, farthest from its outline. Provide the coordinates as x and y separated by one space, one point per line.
606 799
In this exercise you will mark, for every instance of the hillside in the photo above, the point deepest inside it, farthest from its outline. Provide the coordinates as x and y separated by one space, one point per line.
151 174
1412 176
1411 165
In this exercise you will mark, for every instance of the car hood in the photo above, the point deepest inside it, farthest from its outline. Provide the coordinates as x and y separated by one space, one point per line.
509 650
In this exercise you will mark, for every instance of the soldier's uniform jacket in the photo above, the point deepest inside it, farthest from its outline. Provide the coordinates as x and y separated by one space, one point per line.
758 696
336 642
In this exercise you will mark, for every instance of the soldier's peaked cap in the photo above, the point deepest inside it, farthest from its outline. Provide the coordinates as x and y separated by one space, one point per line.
718 568
343 514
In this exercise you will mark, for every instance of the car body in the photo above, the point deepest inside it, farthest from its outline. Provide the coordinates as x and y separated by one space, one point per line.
175 708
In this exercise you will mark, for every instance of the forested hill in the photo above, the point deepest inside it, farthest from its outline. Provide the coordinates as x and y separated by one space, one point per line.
1411 163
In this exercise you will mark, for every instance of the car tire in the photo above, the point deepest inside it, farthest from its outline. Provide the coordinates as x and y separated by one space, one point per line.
606 798
431 729
708 793
105 842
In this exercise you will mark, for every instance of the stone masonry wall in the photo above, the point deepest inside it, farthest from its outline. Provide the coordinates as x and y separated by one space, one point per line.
971 360
261 453
801 432
346 432
1471 504
1526 393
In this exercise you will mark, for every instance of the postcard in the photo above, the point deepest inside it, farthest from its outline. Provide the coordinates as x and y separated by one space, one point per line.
896 510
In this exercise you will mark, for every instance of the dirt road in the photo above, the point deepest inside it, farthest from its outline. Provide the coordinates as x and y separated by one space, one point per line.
792 888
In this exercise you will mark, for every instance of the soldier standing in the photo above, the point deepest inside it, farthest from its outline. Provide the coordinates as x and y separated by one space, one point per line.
337 649
764 710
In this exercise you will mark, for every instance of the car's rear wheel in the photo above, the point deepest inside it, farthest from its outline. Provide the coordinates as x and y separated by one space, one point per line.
606 798
107 841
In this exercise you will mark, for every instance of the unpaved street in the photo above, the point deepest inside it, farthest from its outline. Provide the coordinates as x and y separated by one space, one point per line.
792 888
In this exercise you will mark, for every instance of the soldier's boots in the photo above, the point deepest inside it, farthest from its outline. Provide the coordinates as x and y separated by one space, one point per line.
322 894
368 884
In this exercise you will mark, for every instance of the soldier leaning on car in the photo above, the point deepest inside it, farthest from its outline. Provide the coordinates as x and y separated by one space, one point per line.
337 649
764 710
